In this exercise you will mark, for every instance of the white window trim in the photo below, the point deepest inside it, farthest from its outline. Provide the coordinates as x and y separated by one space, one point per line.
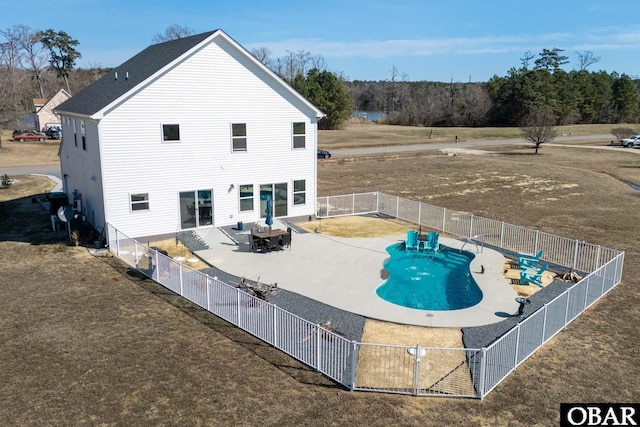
139 202
246 137
293 187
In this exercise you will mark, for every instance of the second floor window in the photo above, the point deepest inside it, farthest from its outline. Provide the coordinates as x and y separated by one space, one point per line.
239 136
299 135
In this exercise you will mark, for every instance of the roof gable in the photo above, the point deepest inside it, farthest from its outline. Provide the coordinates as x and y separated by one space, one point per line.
125 78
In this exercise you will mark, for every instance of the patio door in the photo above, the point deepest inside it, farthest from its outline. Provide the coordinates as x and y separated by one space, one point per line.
278 194
196 208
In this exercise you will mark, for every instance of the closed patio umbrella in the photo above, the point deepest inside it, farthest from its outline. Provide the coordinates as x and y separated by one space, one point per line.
269 219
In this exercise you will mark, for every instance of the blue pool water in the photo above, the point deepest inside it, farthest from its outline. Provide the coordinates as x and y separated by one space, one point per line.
429 280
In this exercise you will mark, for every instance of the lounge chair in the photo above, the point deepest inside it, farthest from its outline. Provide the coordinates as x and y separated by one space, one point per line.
432 241
412 240
526 261
533 278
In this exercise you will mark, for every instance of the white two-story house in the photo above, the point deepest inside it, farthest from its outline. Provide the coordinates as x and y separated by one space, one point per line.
189 133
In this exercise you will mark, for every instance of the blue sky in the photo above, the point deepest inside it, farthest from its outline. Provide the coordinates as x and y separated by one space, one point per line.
455 40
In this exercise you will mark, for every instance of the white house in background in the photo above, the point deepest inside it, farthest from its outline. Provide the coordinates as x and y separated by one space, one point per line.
189 133
43 109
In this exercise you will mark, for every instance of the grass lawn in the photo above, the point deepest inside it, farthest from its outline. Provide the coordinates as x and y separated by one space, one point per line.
86 341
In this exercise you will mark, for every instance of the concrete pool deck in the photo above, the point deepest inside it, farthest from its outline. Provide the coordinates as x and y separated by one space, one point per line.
345 272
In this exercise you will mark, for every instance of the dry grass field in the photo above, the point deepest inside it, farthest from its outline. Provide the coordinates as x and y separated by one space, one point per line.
85 341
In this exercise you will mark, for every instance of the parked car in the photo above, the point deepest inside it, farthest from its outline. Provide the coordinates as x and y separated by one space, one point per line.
29 136
323 154
54 133
632 141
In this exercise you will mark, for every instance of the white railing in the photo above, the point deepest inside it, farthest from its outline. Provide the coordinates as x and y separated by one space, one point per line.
323 350
412 370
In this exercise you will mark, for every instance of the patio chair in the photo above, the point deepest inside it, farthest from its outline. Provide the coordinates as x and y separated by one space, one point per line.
412 240
533 278
432 241
257 244
526 261
285 240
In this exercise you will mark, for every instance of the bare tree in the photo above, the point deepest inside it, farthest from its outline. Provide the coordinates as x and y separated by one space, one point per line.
586 59
12 79
262 54
538 127
173 32
34 55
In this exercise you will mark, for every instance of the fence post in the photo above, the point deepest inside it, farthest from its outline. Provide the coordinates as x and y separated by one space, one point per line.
353 204
502 235
377 201
275 326
586 291
238 307
444 218
397 206
544 325
420 213
597 258
180 277
157 269
515 360
416 371
575 255
354 364
135 253
483 369
208 294
535 246
117 244
566 308
471 226
318 348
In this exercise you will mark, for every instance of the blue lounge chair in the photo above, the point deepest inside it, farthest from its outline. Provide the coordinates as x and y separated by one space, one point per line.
432 241
412 239
526 261
532 278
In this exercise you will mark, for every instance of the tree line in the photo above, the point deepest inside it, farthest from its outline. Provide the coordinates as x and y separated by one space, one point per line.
575 97
34 63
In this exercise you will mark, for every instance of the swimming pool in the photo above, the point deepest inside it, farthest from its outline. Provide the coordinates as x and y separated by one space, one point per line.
429 280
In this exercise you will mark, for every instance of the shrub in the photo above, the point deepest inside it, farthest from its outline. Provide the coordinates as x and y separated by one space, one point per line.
6 181
621 133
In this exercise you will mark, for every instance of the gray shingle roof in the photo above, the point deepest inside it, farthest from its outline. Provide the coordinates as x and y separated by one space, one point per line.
107 89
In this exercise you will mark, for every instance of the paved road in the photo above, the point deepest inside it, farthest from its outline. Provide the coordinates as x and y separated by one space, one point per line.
463 144
53 170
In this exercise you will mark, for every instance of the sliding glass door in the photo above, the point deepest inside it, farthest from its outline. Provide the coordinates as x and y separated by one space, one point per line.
196 208
278 194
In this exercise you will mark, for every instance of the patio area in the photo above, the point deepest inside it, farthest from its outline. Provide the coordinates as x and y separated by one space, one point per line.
345 272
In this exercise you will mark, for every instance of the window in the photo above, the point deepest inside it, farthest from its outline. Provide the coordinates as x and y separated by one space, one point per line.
84 137
171 132
246 197
299 135
239 136
299 192
140 202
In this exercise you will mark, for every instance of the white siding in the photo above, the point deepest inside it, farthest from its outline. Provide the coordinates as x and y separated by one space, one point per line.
81 168
204 95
